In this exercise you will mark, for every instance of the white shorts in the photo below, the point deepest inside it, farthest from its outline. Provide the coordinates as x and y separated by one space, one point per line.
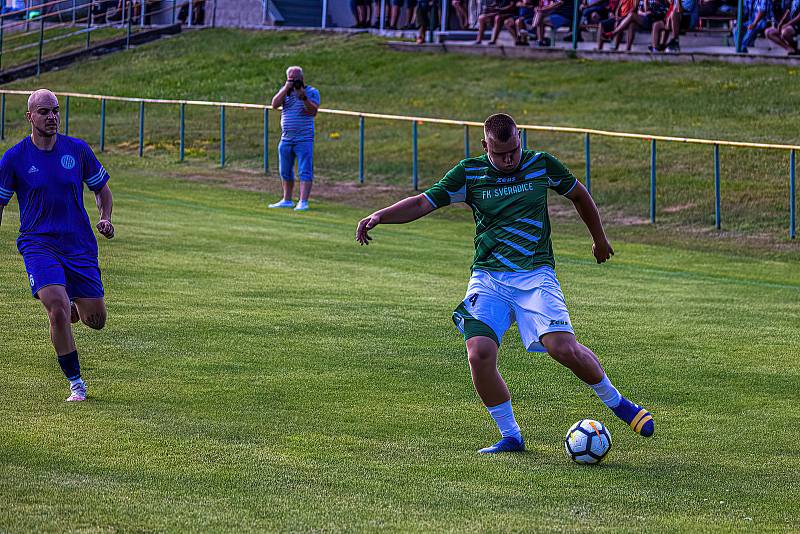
495 300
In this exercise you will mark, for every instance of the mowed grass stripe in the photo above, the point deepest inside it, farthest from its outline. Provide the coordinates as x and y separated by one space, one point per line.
260 371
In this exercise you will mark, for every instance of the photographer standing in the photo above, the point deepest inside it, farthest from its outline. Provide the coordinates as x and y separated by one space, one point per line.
300 104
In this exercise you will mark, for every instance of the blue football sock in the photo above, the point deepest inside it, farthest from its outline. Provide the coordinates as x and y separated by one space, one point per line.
607 392
70 365
503 415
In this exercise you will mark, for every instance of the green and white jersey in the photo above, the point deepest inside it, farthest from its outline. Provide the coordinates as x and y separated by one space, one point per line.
512 225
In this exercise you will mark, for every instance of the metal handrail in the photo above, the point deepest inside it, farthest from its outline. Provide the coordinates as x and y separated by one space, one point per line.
416 121
433 120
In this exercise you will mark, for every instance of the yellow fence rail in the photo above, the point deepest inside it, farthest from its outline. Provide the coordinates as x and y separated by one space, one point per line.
415 121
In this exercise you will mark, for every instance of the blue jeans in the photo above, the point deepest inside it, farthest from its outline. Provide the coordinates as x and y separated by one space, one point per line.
750 35
303 151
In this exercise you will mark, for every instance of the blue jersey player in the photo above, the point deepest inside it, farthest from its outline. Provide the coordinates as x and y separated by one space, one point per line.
48 171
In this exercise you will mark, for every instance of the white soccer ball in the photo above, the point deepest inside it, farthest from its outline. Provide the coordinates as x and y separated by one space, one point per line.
588 441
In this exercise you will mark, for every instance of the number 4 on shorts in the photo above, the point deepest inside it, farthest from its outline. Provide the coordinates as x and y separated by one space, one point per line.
472 299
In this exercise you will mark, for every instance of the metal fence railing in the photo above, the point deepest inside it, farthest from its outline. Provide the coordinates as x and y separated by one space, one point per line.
585 133
67 25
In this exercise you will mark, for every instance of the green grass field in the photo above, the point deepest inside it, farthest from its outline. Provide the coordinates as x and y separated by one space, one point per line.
260 371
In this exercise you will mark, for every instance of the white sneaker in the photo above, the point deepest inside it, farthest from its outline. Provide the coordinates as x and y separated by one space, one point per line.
302 205
282 204
78 393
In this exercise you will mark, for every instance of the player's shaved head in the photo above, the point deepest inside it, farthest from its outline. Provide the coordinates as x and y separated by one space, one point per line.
500 127
43 114
42 98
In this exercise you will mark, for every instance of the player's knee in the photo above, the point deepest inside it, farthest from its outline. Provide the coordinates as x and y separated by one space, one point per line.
95 321
480 358
480 353
566 352
59 316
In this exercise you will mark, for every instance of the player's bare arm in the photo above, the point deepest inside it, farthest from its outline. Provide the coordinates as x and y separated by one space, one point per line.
587 209
407 210
105 203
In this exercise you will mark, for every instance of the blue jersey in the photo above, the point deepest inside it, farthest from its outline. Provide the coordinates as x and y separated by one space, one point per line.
49 188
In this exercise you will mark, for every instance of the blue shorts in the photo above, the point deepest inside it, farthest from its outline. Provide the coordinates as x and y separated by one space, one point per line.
303 152
557 21
80 275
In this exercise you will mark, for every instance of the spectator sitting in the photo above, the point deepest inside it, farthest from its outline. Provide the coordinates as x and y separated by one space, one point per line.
460 7
411 7
666 29
424 8
624 16
556 14
786 30
360 9
198 12
495 13
518 27
592 12
756 13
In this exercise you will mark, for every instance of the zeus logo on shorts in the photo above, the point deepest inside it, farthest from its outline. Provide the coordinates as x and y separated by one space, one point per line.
67 161
556 322
30 277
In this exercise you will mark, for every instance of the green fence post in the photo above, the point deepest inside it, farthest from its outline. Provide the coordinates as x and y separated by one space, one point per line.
89 25
3 116
414 180
361 149
588 156
41 45
66 116
652 181
466 141
575 26
141 128
27 16
128 34
74 19
2 31
174 5
524 138
717 192
102 124
266 140
182 131
142 11
222 136
738 35
792 195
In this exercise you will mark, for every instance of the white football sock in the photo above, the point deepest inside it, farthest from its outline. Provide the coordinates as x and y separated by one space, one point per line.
607 392
76 382
503 415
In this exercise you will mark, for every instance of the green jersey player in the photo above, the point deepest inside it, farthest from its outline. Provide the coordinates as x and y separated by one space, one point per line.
513 277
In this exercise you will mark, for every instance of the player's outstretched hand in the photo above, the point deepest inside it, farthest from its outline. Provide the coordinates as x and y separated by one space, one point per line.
364 226
602 251
106 228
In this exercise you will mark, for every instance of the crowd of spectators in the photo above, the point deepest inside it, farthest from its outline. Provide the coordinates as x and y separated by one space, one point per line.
529 22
